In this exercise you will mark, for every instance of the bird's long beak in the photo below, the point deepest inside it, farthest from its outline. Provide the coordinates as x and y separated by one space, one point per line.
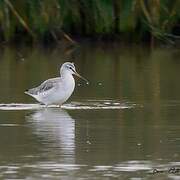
78 75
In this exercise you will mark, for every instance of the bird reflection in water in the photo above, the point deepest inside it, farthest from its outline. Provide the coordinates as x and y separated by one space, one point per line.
56 130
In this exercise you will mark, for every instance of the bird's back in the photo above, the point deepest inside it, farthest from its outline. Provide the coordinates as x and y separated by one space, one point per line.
44 87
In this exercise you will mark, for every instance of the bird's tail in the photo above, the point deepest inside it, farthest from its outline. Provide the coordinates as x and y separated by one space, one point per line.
28 92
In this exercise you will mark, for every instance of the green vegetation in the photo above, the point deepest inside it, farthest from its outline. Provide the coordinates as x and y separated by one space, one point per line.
130 20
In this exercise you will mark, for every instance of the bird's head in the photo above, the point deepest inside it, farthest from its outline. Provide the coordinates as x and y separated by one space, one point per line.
69 67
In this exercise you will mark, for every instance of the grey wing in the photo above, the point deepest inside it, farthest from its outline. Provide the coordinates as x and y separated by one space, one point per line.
44 87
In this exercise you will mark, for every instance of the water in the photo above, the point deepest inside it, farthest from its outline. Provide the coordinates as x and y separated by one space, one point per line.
123 125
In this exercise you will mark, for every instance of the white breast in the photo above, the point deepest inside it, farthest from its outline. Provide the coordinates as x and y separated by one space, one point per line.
66 86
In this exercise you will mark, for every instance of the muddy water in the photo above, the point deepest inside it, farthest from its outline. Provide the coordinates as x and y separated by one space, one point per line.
124 125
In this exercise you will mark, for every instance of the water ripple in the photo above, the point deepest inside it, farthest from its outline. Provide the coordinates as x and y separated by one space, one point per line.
83 105
123 170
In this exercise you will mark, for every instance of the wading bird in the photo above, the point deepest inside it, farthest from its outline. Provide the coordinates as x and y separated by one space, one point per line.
56 90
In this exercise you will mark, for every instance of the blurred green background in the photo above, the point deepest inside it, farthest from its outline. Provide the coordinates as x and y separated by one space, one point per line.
53 20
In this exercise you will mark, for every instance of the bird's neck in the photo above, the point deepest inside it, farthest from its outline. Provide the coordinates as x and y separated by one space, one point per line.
66 76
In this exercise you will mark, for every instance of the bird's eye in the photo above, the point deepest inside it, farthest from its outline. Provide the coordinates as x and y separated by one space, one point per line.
72 69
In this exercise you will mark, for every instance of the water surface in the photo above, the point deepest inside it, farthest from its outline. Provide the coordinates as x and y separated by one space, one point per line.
124 125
